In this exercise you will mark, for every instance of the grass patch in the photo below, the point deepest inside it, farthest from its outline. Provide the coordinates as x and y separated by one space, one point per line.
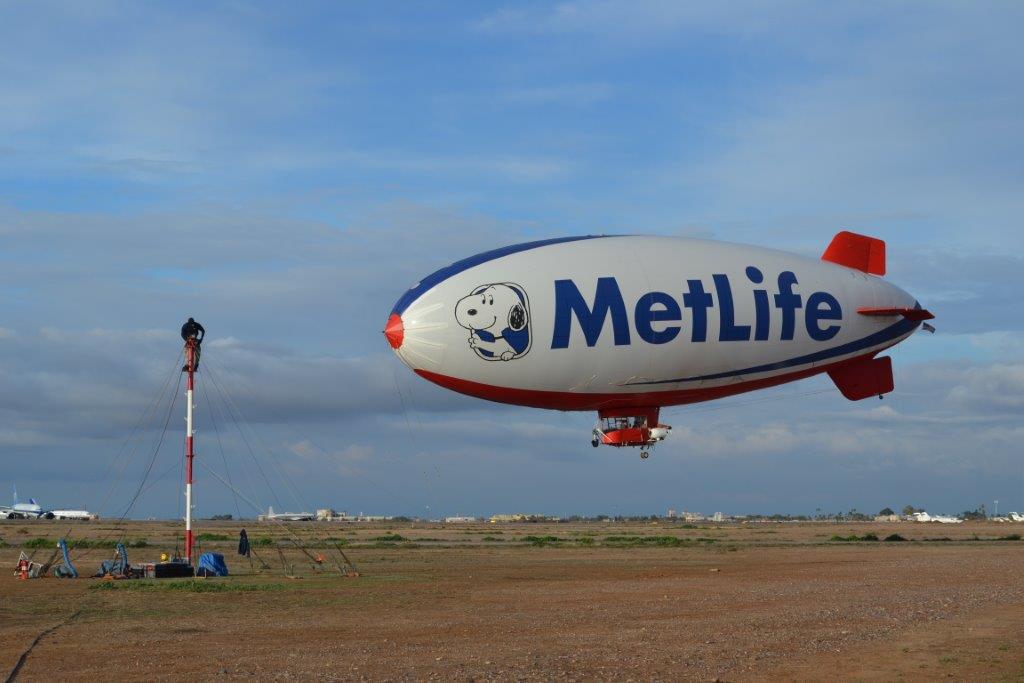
893 538
493 539
262 542
185 586
334 541
39 543
213 537
389 538
541 541
854 538
644 541
1011 537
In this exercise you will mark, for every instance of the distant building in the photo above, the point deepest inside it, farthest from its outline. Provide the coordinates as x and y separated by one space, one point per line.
718 517
460 520
517 517
888 518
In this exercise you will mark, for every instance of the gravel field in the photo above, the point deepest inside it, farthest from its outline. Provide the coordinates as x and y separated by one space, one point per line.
536 602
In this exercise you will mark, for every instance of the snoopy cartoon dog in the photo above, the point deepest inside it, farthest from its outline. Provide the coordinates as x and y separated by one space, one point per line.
498 319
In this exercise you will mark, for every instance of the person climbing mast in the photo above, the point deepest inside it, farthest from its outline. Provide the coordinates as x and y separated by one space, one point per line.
193 330
193 333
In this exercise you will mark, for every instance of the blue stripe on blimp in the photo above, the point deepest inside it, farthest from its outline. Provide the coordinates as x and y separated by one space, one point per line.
880 337
440 276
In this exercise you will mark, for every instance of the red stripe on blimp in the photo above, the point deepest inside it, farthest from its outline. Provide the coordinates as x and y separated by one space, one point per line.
567 400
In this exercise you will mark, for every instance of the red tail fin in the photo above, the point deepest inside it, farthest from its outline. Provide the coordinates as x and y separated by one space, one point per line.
864 378
857 251
908 313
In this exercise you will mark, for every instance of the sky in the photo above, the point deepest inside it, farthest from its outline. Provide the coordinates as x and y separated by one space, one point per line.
284 173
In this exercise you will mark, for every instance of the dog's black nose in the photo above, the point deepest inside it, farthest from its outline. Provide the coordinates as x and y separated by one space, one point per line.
471 311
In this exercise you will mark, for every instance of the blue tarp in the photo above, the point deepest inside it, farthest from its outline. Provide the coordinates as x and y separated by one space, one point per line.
211 564
117 566
66 570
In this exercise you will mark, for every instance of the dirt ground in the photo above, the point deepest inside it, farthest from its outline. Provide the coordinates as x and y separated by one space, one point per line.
533 602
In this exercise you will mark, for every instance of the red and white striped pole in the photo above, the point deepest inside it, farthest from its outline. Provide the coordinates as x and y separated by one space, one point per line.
190 358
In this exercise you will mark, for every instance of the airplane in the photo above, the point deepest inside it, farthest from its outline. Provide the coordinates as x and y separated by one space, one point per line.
73 514
1009 517
32 510
288 516
29 510
942 519
625 325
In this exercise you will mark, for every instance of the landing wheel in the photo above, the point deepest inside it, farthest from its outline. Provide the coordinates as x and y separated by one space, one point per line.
644 455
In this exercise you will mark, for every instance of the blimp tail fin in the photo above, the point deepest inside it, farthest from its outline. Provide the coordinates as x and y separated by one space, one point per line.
857 251
917 314
864 378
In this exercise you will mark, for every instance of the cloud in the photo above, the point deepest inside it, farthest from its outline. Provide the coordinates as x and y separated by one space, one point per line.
892 121
974 290
879 130
293 311
283 177
620 20
246 274
524 169
348 461
163 96
994 389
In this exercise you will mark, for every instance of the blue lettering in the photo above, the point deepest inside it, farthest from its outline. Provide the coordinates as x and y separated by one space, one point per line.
657 316
728 329
815 313
699 302
607 298
760 305
787 302
646 314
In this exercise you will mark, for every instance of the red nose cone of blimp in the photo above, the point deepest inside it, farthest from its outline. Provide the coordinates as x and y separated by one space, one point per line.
394 330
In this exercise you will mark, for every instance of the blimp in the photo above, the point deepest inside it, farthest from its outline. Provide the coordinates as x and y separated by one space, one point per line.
626 325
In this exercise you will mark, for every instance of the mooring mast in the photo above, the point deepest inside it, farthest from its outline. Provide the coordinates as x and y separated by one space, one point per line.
190 367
